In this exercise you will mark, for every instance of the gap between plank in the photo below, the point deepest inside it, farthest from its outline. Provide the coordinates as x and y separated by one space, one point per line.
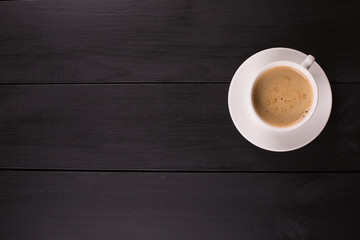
138 83
167 171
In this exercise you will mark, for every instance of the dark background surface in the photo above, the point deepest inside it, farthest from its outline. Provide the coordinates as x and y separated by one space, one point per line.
114 122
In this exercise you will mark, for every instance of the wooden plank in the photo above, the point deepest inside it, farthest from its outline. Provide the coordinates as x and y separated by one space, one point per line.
61 41
156 127
80 205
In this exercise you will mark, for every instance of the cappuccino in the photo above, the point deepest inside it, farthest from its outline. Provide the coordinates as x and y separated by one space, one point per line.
282 96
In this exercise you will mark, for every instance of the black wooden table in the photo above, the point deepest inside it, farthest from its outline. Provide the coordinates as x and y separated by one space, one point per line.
114 122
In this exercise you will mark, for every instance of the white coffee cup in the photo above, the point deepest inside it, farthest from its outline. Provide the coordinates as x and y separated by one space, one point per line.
303 68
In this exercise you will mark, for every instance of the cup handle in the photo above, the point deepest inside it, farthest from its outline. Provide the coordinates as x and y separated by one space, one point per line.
309 60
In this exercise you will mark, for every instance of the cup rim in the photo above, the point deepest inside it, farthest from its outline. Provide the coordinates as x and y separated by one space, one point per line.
314 87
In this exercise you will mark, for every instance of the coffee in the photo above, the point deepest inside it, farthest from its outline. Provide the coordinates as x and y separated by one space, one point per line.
282 96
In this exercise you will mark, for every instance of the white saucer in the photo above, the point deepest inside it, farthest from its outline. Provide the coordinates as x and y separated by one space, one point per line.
267 138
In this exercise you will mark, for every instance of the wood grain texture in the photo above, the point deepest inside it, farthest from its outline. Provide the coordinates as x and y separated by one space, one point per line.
80 205
157 127
88 41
